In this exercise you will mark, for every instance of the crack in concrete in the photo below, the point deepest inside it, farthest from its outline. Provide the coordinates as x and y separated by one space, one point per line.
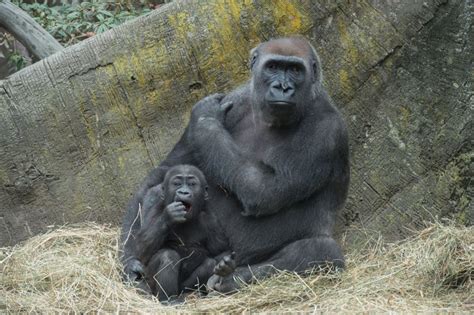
395 49
387 200
5 91
101 65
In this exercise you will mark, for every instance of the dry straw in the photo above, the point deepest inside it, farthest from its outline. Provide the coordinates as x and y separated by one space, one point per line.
75 269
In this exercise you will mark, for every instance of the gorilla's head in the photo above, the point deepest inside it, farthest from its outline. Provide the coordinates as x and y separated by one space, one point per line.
186 184
286 75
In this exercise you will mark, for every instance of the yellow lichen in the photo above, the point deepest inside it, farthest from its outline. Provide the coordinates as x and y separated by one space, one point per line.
345 81
289 19
347 42
405 115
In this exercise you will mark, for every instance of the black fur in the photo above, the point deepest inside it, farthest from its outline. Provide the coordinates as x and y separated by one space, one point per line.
275 154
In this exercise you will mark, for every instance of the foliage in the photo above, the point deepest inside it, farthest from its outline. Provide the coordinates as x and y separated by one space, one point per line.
17 60
70 24
11 53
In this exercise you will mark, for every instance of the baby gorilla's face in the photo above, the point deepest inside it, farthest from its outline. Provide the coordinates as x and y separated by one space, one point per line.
184 184
187 189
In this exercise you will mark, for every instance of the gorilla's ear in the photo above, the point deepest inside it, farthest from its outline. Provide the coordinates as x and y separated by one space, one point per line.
253 58
206 194
315 69
162 193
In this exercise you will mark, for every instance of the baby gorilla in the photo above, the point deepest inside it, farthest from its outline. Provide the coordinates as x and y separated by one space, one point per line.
172 241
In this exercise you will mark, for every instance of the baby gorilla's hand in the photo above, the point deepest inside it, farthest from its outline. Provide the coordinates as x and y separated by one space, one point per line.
175 212
133 270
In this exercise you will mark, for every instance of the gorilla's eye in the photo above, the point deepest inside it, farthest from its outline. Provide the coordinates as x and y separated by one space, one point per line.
192 184
176 183
272 66
295 69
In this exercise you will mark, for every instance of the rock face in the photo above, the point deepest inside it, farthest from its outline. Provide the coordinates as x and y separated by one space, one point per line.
80 129
412 127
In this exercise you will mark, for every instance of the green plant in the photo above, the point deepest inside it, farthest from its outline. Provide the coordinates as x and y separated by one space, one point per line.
9 51
70 24
17 60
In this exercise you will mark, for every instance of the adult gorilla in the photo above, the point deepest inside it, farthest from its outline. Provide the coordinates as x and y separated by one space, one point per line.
275 153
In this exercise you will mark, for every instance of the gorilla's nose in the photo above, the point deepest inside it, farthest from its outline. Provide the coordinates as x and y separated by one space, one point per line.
183 192
282 89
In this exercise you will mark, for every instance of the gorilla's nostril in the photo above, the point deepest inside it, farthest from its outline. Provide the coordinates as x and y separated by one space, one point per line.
276 86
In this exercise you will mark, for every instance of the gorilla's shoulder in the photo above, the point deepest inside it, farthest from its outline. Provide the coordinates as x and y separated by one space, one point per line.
241 99
239 95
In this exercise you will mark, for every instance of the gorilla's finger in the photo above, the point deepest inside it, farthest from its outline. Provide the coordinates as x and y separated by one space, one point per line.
223 268
213 281
139 269
180 214
226 107
217 96
179 219
224 271
175 203
178 208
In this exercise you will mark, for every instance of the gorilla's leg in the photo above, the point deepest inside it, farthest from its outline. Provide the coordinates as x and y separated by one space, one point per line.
200 275
162 274
299 256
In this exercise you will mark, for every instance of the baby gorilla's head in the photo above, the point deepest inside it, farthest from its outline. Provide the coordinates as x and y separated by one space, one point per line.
186 184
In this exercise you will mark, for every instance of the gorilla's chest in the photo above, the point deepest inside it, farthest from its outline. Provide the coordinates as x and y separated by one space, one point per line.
254 139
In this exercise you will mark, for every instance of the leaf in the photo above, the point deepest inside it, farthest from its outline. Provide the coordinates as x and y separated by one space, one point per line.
105 12
102 28
72 16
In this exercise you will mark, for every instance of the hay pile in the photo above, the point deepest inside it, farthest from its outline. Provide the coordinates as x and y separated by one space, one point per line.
75 269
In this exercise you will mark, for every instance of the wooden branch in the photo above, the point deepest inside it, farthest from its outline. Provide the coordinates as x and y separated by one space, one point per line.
25 29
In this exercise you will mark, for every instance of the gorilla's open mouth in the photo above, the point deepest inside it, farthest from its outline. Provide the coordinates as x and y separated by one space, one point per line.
187 206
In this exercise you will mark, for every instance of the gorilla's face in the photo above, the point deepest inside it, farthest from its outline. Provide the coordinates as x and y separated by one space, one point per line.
186 184
282 84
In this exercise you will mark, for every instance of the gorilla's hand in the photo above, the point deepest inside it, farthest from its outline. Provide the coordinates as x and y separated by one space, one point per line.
203 271
133 270
211 107
222 284
222 280
175 213
226 265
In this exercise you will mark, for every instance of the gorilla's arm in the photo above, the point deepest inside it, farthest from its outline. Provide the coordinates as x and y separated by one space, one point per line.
154 229
133 220
293 173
